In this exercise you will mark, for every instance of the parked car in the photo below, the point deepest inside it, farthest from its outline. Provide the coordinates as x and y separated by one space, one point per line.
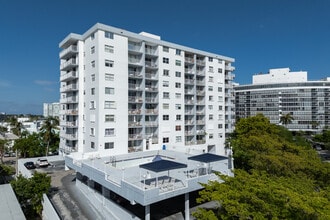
42 163
29 165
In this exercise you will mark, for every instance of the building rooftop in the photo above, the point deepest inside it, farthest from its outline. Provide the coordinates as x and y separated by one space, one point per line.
9 206
131 177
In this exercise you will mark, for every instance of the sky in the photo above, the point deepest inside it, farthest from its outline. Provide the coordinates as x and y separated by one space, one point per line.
258 34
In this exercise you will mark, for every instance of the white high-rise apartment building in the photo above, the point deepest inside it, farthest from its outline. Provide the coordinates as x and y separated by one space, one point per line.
280 92
51 109
123 92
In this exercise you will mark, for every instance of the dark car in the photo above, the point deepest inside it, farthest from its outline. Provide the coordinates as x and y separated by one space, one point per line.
29 165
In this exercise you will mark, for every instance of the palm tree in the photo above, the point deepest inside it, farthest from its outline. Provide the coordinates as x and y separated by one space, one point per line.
48 130
286 119
17 127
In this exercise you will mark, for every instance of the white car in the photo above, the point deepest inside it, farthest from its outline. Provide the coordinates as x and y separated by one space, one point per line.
42 163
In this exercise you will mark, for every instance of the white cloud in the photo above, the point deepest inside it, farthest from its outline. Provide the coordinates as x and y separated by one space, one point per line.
44 82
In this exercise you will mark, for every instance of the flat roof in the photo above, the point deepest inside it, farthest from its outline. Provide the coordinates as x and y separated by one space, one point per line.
9 206
207 158
128 176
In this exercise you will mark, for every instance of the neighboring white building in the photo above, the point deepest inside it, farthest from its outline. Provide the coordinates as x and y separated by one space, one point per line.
124 92
51 109
280 92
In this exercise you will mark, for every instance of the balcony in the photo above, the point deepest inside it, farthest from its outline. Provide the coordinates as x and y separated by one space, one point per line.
134 61
137 136
72 99
189 102
200 62
134 86
69 76
189 60
189 122
151 76
189 112
71 124
134 111
135 48
151 52
70 64
135 99
151 100
201 141
134 74
151 88
69 52
132 124
201 112
71 112
71 137
151 123
189 133
189 81
151 111
189 71
189 91
200 82
200 122
68 88
229 68
149 64
200 92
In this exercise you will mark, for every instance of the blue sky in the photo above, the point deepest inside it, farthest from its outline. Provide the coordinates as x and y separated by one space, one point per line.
259 34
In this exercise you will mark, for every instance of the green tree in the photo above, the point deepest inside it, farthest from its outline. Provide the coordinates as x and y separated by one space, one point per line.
286 119
48 130
30 145
30 192
270 167
17 127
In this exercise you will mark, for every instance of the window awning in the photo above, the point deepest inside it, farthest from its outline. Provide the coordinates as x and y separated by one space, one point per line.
162 165
207 158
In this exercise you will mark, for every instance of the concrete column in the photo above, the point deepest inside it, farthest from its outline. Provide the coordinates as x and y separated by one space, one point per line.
147 212
186 205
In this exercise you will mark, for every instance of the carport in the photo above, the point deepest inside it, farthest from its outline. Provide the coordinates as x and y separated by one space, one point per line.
161 165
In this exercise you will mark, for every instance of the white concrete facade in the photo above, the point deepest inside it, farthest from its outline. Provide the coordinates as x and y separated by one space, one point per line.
124 92
51 109
279 75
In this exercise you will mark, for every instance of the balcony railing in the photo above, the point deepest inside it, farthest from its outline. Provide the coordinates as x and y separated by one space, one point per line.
69 64
151 76
135 99
151 64
149 51
151 100
189 81
189 60
71 87
134 61
135 74
134 86
71 112
69 100
69 76
73 49
152 111
190 71
200 62
137 136
134 47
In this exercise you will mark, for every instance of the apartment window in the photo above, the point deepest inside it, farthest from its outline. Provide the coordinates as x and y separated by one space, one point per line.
210 88
210 78
211 98
92 91
177 74
220 117
166 117
92 50
93 77
211 69
109 118
92 145
178 139
109 132
166 95
220 61
108 63
108 49
220 107
93 63
108 145
92 36
210 59
166 73
178 52
166 106
108 34
178 117
109 105
178 95
92 131
178 127
219 89
220 98
210 116
166 83
92 118
178 62
219 70
109 77
178 106
165 60
165 49
220 135
210 107
177 85
109 91
166 140
211 136
92 105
